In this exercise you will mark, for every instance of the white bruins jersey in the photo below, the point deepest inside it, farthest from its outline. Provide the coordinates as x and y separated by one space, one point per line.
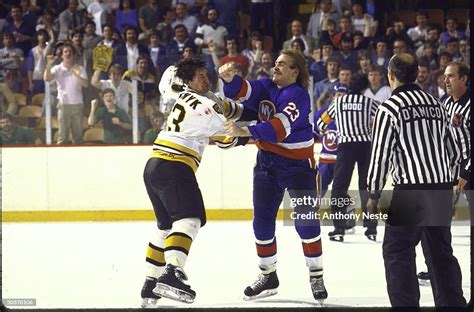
193 120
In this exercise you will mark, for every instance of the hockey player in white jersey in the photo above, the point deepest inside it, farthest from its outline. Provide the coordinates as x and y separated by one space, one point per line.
170 178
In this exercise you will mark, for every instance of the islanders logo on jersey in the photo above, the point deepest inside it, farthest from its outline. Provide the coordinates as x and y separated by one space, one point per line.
330 141
266 110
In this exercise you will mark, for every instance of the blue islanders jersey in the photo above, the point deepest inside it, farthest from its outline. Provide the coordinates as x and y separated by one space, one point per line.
283 125
328 138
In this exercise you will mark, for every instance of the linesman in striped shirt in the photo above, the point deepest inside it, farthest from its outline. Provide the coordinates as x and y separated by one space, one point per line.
353 113
412 139
458 105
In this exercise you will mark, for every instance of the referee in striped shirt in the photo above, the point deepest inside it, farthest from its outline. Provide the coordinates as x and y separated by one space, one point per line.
458 105
353 113
412 139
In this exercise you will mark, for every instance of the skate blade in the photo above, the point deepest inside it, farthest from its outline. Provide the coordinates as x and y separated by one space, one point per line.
263 294
424 282
172 293
320 303
149 303
337 238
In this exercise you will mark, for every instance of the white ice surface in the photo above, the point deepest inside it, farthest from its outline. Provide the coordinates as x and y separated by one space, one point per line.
102 265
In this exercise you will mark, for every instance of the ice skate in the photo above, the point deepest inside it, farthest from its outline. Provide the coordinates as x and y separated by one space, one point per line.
170 285
149 299
265 286
371 234
337 235
424 278
318 289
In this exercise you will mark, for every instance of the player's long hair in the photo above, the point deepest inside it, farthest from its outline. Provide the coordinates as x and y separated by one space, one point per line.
300 63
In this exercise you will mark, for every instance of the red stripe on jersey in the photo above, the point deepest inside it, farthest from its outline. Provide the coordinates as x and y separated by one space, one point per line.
266 250
243 90
279 128
327 161
297 153
314 248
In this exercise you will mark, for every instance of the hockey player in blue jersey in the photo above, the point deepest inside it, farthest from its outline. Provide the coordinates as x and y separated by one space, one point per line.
328 138
285 161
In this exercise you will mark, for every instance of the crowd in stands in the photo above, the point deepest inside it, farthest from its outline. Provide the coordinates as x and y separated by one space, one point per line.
55 44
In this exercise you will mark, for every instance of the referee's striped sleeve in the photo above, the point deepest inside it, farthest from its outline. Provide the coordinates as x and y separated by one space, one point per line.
383 141
327 117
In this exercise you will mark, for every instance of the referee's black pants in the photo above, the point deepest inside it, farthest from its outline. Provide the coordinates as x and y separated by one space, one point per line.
348 154
406 224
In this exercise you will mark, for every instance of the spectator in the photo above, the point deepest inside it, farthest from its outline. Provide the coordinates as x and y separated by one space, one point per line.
145 85
432 36
127 54
12 134
465 50
399 46
69 78
397 31
297 33
298 45
115 120
438 86
212 31
181 39
381 56
15 79
329 32
182 17
423 79
233 55
364 62
254 50
360 19
164 27
36 61
48 22
9 54
229 12
317 69
452 47
108 39
419 33
188 52
122 88
157 120
345 25
70 20
157 51
377 90
451 31
126 15
332 69
315 21
429 55
148 18
444 59
346 53
265 67
22 31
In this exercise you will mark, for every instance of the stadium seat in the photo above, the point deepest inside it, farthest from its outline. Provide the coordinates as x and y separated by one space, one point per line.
94 135
436 16
42 123
37 99
30 111
21 99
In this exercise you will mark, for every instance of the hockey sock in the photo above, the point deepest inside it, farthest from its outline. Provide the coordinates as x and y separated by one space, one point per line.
179 240
313 251
155 256
266 251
